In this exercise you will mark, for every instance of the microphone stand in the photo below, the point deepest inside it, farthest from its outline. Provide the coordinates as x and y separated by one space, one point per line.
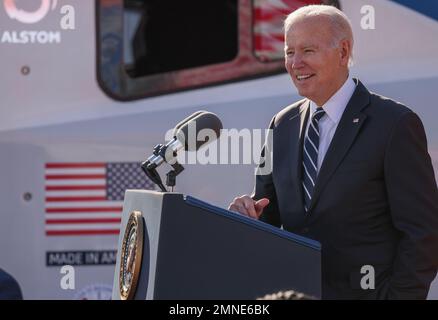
149 168
152 174
171 175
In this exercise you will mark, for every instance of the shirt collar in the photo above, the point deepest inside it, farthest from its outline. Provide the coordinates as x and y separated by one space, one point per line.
335 106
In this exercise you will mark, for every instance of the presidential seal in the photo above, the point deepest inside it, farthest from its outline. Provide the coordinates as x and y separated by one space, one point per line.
132 251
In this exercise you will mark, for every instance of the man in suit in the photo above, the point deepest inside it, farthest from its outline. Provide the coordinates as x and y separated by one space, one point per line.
9 288
350 169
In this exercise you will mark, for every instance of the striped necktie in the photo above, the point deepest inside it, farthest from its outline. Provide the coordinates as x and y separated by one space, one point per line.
310 157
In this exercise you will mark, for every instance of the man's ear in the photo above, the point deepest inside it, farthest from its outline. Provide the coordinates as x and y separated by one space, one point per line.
345 49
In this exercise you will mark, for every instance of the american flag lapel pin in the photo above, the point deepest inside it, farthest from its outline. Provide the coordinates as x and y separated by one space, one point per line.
355 120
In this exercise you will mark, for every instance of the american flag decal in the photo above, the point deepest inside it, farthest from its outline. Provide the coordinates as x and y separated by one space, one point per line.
87 198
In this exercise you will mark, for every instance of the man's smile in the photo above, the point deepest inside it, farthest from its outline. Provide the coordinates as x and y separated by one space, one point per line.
303 77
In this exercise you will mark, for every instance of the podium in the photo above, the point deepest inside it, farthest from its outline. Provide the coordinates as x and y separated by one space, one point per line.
173 246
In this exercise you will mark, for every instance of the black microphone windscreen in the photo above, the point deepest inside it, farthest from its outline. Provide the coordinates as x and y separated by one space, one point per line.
190 117
199 121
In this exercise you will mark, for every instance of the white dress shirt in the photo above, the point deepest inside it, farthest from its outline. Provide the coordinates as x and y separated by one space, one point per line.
334 108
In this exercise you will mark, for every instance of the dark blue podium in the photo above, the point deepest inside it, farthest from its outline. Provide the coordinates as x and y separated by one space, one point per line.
194 250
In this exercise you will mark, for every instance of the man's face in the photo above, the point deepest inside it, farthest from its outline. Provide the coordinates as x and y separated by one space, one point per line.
317 69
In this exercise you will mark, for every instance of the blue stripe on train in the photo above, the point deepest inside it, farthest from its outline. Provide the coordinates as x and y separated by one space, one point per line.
426 7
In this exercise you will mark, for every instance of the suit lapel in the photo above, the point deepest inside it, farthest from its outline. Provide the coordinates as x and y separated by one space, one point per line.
296 135
346 132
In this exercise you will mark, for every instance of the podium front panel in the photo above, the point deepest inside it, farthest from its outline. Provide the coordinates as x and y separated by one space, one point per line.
194 250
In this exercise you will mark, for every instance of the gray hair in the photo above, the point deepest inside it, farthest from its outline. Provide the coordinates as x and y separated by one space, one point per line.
341 25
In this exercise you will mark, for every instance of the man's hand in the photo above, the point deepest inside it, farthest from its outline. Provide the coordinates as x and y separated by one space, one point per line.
249 207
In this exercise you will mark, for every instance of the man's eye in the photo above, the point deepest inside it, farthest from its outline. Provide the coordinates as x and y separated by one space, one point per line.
290 53
309 51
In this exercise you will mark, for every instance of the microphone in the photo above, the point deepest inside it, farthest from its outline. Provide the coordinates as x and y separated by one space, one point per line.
187 131
184 137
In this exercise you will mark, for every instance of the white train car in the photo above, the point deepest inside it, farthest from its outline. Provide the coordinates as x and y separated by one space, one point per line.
88 87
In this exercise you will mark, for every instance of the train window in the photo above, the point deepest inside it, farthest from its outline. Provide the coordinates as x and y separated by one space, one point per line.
167 35
153 47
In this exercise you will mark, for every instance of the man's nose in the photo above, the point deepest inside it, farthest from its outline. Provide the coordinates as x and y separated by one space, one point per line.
297 61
